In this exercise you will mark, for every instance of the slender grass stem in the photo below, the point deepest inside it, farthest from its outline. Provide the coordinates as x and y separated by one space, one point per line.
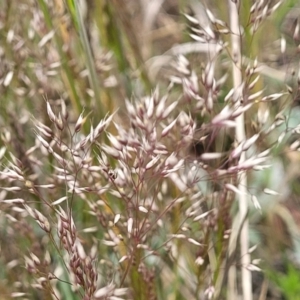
67 75
240 137
89 61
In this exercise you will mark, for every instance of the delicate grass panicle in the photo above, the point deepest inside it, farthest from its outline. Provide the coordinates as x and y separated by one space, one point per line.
151 200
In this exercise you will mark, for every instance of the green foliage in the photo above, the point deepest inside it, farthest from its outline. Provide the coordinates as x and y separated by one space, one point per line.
287 282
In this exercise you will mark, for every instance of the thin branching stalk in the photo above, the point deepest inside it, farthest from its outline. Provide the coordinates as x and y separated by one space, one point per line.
240 137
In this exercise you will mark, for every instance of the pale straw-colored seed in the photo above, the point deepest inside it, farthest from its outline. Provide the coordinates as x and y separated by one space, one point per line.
11 189
10 36
13 201
116 194
60 200
233 188
196 196
199 261
282 45
109 243
281 137
12 174
79 123
275 7
152 162
44 224
202 216
209 101
225 114
180 200
92 134
11 218
47 258
253 83
29 262
254 7
114 142
43 141
255 95
251 162
35 259
12 264
90 229
143 209
111 151
248 143
169 109
256 261
46 38
130 108
99 294
123 258
190 214
210 292
253 268
129 225
8 78
227 123
59 158
210 16
270 192
229 95
59 122
17 295
192 241
241 109
222 80
211 155
47 131
296 32
117 218
295 145
209 74
237 151
273 97
149 101
44 131
167 129
50 113
19 210
119 292
80 250
161 107
192 19
94 168
64 111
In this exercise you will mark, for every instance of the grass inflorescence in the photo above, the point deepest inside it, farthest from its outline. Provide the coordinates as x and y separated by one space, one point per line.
148 149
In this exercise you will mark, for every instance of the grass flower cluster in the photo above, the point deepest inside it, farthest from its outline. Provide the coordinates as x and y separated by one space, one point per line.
128 173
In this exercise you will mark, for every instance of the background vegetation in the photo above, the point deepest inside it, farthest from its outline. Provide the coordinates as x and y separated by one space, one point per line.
121 159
